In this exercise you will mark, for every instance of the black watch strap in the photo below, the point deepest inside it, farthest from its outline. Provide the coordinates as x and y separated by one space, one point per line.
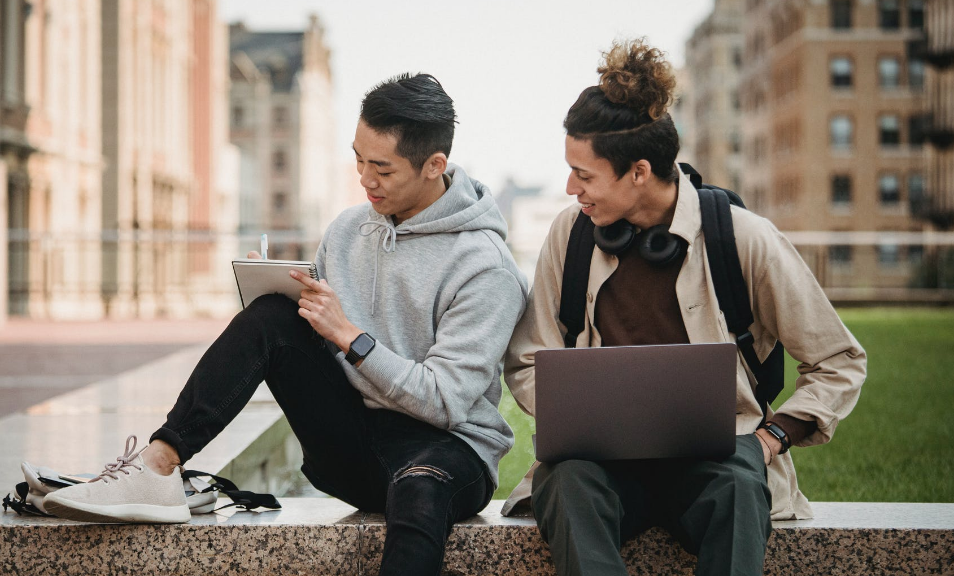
776 430
360 348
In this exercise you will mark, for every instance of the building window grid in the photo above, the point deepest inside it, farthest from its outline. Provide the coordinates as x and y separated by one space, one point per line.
889 255
889 191
841 69
840 255
916 74
841 190
889 130
889 72
840 131
841 14
916 14
889 14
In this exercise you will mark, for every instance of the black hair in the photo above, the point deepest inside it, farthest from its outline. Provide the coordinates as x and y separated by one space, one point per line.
414 109
624 118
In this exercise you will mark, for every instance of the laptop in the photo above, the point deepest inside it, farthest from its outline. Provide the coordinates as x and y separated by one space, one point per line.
636 402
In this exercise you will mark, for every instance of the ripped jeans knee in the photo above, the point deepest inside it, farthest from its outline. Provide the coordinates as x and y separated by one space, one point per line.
412 470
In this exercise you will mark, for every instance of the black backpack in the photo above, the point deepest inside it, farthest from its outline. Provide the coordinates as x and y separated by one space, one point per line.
727 279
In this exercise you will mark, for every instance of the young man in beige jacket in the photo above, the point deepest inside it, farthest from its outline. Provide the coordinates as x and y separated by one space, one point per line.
621 146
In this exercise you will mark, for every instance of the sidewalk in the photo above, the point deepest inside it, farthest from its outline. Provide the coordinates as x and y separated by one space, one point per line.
84 424
41 359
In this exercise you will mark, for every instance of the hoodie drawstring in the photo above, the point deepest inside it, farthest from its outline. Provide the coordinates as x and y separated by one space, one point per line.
388 238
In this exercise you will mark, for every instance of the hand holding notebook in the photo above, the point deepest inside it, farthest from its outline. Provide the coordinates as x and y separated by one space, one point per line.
256 277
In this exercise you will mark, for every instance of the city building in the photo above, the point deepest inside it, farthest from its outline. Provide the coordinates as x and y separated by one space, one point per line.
833 133
712 108
938 51
281 120
50 140
162 137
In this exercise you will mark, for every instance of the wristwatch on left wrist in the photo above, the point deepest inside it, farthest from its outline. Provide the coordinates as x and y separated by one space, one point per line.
360 348
779 434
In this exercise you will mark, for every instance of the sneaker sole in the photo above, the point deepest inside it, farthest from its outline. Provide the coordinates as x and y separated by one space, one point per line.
119 513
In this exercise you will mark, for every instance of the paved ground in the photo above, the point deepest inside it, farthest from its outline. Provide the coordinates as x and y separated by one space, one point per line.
41 359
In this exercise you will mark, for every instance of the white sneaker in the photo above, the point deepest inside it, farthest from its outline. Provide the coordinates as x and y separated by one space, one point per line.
127 491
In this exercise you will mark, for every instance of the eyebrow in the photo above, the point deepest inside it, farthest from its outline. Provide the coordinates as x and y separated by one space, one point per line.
375 162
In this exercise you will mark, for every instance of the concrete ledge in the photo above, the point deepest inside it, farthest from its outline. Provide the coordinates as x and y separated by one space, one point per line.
327 537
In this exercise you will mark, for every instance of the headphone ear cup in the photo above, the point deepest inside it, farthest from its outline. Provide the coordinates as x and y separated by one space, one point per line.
660 248
615 238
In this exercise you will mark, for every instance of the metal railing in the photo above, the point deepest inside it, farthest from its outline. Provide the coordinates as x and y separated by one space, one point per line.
168 267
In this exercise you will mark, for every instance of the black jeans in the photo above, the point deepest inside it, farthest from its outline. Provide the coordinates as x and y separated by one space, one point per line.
423 478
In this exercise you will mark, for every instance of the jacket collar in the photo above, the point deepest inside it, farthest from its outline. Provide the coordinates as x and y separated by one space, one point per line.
687 219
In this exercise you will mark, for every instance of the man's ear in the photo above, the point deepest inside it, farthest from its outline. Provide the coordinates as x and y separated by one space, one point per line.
435 166
641 172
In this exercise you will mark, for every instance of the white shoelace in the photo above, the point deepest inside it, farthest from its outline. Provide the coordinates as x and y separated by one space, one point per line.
112 470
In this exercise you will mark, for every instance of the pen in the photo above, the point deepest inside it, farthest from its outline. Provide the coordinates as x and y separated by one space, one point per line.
264 246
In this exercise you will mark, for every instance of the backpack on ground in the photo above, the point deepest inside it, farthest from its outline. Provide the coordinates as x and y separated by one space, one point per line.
727 279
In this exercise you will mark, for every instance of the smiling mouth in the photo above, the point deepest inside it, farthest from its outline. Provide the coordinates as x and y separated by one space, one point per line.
585 205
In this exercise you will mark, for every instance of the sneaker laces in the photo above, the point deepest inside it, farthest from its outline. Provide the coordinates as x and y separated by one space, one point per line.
112 470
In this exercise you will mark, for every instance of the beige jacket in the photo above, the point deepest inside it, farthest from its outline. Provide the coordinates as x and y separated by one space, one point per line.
788 305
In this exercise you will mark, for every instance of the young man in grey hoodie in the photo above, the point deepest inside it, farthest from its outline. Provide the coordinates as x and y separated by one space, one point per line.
388 369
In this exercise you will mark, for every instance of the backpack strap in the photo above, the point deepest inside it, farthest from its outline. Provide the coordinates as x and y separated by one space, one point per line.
242 498
576 276
733 295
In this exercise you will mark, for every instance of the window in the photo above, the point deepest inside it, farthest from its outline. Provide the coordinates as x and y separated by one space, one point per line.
889 14
916 254
735 143
916 73
889 255
840 129
889 72
841 70
841 14
278 161
841 189
916 196
238 116
916 14
917 130
889 130
278 201
839 255
888 189
279 117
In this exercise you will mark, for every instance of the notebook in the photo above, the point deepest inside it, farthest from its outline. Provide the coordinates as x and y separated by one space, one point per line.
256 277
636 402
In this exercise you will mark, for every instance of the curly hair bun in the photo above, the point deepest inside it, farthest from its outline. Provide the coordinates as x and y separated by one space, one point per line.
637 76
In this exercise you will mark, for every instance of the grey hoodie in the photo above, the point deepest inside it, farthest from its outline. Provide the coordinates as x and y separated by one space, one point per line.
441 294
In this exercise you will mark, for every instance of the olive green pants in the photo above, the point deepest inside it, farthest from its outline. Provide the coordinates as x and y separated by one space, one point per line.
718 510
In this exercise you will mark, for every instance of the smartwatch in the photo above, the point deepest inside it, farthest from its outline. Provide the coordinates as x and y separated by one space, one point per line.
780 435
360 348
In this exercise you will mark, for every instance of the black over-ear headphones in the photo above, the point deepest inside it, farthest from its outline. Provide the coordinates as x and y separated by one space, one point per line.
656 245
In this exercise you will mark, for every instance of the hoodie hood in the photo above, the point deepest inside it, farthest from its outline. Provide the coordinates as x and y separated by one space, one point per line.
465 206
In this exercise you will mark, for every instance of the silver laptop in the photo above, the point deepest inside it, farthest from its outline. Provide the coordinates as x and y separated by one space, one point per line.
636 402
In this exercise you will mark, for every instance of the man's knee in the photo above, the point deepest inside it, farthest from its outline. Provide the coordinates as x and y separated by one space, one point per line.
272 310
420 494
571 482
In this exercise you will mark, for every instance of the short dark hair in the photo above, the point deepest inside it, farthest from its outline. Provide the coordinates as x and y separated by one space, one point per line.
417 111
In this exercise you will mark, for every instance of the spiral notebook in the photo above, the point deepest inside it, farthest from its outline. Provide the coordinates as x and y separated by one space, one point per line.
256 277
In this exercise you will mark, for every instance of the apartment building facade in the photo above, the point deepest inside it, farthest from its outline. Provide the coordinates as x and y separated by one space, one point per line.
834 131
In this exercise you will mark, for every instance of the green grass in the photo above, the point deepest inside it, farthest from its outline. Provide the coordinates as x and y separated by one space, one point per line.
898 443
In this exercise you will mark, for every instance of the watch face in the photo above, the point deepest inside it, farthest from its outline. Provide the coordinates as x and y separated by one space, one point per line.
362 345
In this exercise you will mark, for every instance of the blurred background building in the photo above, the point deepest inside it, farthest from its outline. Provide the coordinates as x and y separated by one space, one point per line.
144 144
119 187
282 123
